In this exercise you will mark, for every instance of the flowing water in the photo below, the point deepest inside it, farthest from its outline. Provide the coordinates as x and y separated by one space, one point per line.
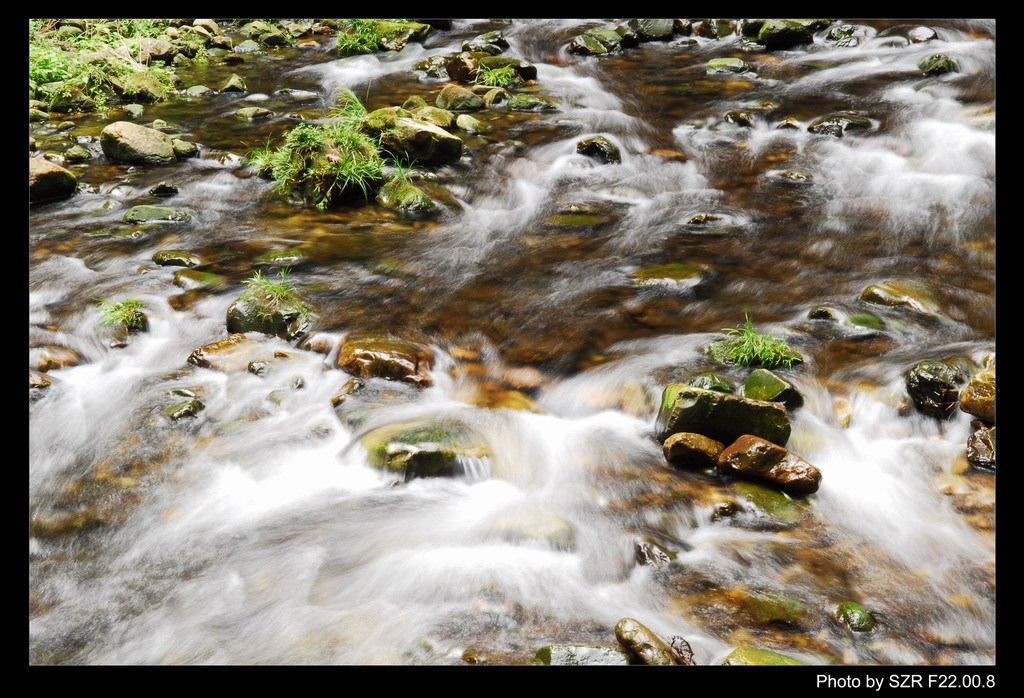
258 532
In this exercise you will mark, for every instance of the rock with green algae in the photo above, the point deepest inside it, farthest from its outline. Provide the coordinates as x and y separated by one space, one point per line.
413 139
454 97
652 29
145 214
719 416
938 64
253 113
186 408
778 506
854 616
431 450
282 314
176 258
643 644
763 384
902 293
777 34
670 274
189 279
751 656
523 102
774 608
581 655
405 197
711 381
600 148
527 71
595 42
727 65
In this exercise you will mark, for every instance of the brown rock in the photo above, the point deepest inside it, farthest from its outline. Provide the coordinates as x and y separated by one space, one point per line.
385 357
686 450
231 354
755 458
979 397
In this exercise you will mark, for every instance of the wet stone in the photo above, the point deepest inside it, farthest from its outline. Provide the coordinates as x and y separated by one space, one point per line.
979 397
435 450
600 148
581 655
145 214
727 65
228 355
852 615
186 408
751 457
750 656
643 644
163 189
763 384
934 387
720 416
685 450
176 258
981 449
711 381
391 358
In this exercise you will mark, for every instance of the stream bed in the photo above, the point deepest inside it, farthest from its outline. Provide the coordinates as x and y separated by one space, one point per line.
258 532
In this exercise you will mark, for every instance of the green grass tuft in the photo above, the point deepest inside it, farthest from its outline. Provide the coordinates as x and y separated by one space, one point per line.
269 295
497 77
323 163
748 347
124 315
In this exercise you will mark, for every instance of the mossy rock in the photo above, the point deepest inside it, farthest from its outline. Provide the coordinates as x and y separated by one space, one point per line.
253 113
939 64
287 317
435 115
145 214
867 321
581 655
909 294
435 450
200 91
750 656
779 506
711 381
775 608
405 197
762 384
852 615
652 29
471 124
421 141
189 279
777 34
727 65
600 148
458 98
719 416
527 71
670 274
533 103
643 644
176 258
186 408
183 149
595 42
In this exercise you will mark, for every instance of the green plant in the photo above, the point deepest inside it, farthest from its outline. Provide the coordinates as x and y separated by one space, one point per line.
497 77
270 296
324 162
748 347
125 315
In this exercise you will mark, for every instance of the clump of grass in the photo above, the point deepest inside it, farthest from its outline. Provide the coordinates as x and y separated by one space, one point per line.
326 162
497 77
367 35
269 296
748 347
125 315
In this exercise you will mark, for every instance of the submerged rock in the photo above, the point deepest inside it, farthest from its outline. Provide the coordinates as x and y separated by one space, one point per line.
910 294
373 356
750 656
719 416
774 608
231 354
938 64
852 615
934 387
48 181
755 458
176 258
727 65
981 449
838 124
145 214
532 103
186 408
129 142
436 450
580 655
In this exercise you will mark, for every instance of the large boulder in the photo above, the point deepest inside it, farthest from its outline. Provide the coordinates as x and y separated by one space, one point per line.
125 141
934 387
754 458
719 416
373 356
48 181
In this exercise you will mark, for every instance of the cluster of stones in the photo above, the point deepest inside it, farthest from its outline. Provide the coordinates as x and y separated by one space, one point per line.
695 424
772 34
